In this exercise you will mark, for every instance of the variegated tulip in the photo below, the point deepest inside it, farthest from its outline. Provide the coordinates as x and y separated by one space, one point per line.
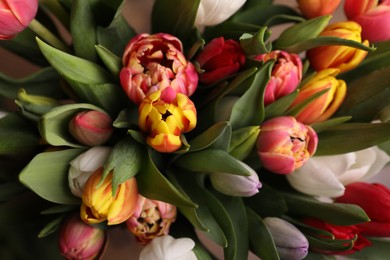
15 16
314 8
284 144
99 204
151 219
341 57
327 104
164 115
78 240
212 12
153 62
372 15
285 76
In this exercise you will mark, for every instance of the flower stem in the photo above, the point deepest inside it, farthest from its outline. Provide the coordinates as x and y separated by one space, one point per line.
48 36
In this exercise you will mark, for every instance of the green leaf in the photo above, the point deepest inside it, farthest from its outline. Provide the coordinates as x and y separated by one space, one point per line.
112 62
47 176
59 209
380 250
243 140
261 241
255 44
218 133
280 106
343 138
230 30
210 161
316 256
295 110
51 227
321 126
54 125
249 110
334 245
154 185
125 161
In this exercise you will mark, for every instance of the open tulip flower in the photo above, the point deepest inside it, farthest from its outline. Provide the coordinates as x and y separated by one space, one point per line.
99 204
164 116
343 58
153 62
284 144
327 104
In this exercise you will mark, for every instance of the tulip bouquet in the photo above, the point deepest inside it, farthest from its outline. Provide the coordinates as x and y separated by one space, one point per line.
256 126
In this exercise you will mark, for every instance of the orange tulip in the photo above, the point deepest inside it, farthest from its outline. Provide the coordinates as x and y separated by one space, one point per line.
315 8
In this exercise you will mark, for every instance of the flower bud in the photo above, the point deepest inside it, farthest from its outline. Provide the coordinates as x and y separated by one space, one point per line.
151 219
219 59
327 104
289 241
79 240
91 127
339 57
164 116
285 76
212 12
236 185
167 247
315 8
16 16
284 144
84 165
99 204
155 62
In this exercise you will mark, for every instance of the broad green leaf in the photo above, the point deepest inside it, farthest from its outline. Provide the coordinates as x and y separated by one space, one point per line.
380 250
335 245
261 241
243 140
47 176
154 185
321 126
230 30
255 44
316 256
54 124
112 62
59 209
350 137
127 118
219 131
210 161
280 106
51 227
307 229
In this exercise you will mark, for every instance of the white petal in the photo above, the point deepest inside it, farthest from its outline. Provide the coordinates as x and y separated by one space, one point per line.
91 159
381 159
212 12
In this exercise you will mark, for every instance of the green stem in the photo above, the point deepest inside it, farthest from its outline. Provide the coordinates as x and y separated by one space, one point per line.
58 10
48 36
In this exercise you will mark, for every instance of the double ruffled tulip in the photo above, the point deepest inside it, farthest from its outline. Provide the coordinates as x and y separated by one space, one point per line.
84 165
327 104
285 76
327 175
284 144
212 12
164 116
314 8
153 62
219 59
169 248
372 15
78 240
340 232
374 199
91 127
340 57
99 204
151 219
289 241
236 185
15 16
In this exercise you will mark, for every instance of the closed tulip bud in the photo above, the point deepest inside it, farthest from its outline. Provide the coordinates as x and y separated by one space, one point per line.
91 127
285 76
372 15
327 104
219 59
339 57
99 204
284 144
79 240
315 8
236 185
152 62
84 165
212 12
289 241
15 16
151 219
164 116
374 199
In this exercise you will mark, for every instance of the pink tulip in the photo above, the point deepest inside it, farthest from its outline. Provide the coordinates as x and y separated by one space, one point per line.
372 15
155 62
284 144
15 16
285 77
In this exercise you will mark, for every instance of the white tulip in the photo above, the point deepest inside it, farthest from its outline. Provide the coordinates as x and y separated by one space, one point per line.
169 248
2 114
84 165
327 175
212 12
